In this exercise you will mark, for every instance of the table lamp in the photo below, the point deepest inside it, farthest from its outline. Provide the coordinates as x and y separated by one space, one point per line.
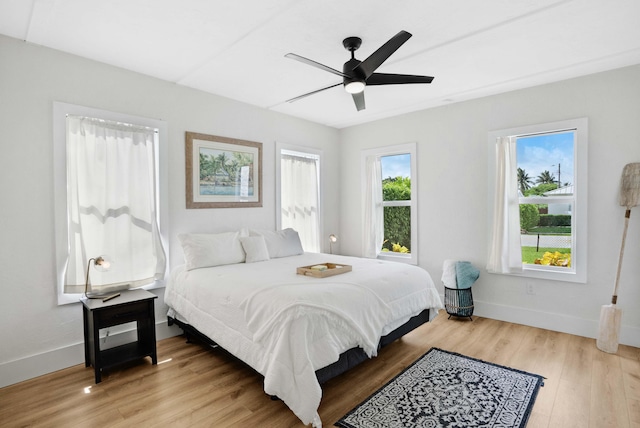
101 264
332 240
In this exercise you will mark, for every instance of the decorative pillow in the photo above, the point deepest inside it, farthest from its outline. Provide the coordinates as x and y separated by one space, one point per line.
207 250
281 243
255 248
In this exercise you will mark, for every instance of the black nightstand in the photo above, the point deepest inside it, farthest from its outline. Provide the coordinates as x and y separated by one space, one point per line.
133 305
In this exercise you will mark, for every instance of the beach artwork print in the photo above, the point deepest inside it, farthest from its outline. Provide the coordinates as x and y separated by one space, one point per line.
224 173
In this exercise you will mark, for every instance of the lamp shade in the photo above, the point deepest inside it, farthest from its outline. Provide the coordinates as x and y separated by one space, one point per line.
100 263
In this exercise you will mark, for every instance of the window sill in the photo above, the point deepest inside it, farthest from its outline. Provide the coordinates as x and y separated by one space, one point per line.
551 273
397 257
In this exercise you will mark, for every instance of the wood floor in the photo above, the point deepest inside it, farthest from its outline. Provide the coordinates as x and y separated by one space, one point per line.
193 386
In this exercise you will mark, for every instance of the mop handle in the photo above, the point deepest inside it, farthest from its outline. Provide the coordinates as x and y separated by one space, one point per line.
627 214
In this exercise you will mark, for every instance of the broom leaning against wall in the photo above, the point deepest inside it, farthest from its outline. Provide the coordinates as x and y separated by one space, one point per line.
610 315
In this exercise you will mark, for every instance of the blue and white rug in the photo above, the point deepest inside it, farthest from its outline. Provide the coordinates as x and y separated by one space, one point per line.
444 389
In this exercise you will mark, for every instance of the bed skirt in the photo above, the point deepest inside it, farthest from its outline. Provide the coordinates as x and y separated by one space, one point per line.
347 360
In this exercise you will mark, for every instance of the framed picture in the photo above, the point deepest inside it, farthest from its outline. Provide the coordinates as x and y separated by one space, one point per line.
222 172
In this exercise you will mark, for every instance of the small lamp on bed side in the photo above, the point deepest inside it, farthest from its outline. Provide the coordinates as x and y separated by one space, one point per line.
101 264
332 240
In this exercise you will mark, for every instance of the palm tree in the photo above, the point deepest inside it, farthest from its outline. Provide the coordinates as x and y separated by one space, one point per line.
220 163
546 178
524 181
207 166
222 159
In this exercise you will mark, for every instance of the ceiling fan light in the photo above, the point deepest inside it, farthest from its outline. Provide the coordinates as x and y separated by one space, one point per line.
354 87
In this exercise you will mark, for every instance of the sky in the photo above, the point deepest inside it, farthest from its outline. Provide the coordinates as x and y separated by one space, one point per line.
535 154
396 166
540 153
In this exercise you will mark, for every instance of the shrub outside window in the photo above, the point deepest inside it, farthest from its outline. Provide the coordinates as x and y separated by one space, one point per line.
390 206
396 202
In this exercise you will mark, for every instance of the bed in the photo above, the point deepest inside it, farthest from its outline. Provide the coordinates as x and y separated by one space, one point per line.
240 290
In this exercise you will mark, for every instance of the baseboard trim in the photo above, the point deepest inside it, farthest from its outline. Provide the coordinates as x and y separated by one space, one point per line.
47 362
629 335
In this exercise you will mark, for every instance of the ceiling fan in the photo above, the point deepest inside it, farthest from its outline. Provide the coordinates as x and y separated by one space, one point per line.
357 74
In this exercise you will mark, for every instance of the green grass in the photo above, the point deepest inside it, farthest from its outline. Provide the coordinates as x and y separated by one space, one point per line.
551 230
529 254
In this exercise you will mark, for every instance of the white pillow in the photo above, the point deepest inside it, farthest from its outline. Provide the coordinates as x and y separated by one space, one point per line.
281 243
255 248
207 250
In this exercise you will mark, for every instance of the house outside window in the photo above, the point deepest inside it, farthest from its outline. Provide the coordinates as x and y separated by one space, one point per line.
390 190
543 169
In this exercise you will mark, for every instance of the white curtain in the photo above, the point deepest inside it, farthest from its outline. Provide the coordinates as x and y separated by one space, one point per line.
111 204
373 225
505 254
299 199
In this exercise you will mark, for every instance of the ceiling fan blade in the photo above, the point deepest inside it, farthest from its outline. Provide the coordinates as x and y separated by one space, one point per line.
315 64
369 65
312 92
396 79
358 99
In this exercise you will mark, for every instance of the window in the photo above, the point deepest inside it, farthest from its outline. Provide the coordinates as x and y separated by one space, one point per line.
107 184
539 206
299 178
390 206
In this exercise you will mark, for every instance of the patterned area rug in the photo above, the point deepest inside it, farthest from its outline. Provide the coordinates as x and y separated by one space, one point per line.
444 389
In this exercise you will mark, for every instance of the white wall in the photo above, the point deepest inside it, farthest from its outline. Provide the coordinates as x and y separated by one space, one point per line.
37 335
452 175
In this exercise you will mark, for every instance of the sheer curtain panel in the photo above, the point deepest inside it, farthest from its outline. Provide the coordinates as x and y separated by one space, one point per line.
300 199
373 225
505 254
112 204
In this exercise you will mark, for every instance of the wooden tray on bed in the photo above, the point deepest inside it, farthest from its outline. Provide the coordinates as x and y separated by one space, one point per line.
331 270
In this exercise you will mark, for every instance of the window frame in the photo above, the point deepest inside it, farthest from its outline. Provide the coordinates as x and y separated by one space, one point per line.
579 210
400 149
60 112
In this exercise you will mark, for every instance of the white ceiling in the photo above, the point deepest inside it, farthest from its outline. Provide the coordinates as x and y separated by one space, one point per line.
236 48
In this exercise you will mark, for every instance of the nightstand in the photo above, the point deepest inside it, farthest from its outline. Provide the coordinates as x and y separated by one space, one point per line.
132 305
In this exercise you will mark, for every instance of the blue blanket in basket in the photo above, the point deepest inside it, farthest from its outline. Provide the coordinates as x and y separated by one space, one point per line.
466 274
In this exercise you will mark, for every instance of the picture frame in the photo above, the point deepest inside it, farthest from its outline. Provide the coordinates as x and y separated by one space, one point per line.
222 172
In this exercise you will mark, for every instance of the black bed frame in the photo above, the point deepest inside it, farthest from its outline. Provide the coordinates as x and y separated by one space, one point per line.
347 360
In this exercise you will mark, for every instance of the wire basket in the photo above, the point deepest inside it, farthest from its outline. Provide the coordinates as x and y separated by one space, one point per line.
458 302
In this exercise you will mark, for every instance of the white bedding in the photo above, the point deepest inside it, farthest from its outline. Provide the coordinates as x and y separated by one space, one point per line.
287 326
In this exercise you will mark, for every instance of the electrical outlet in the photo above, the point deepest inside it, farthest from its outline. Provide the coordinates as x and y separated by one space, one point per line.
530 289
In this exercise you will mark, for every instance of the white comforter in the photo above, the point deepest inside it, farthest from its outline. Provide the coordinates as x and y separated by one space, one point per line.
286 326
